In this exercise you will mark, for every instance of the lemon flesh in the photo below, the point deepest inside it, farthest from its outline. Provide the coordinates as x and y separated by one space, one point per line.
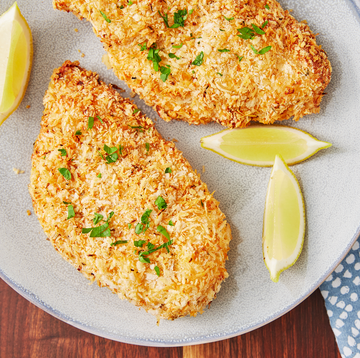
258 144
15 60
284 220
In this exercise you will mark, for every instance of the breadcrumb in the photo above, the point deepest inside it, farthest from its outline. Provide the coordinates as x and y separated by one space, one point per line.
232 84
147 167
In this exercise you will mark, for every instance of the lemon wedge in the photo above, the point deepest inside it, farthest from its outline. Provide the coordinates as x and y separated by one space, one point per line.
258 144
15 60
284 220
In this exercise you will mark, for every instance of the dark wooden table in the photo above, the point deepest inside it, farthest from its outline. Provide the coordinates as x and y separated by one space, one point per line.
27 331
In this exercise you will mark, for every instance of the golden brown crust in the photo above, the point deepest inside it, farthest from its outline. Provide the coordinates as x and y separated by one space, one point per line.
191 273
289 80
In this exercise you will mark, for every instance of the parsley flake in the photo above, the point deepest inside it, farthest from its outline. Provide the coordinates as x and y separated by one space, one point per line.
136 110
145 222
221 30
78 132
223 50
168 170
264 24
258 30
90 122
165 72
267 7
63 152
142 254
99 175
160 203
199 59
239 57
119 242
172 55
219 74
130 2
178 46
163 231
179 18
139 243
228 18
262 51
246 33
97 218
105 17
66 203
143 46
154 56
157 270
112 156
65 173
101 121
171 223
71 212
99 231
129 226
147 147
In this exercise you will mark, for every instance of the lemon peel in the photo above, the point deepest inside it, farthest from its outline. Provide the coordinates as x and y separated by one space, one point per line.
16 53
258 145
284 220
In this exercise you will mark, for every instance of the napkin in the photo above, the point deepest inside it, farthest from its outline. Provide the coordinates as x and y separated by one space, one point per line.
341 292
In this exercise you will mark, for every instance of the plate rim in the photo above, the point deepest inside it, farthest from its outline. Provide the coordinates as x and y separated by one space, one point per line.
32 298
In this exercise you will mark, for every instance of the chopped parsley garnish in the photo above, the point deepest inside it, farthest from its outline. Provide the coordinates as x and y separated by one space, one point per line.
157 270
160 203
119 242
246 33
199 59
142 46
71 212
105 17
130 2
121 147
100 154
228 18
179 18
122 6
219 74
201 202
221 30
168 170
258 30
267 7
97 218
142 254
66 203
145 222
223 50
264 24
154 56
65 173
101 121
112 156
239 57
90 122
129 226
163 231
99 175
78 132
136 110
139 243
171 223
172 55
178 46
147 147
262 51
63 152
165 72
99 231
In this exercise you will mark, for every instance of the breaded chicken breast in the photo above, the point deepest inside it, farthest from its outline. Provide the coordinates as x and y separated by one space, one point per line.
123 205
231 61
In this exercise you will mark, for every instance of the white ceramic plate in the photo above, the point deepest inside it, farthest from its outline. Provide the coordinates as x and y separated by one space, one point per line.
248 299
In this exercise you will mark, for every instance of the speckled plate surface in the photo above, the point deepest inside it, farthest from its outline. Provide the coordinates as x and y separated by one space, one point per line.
248 299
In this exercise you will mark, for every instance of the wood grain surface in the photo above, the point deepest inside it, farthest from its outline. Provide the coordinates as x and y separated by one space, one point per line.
27 331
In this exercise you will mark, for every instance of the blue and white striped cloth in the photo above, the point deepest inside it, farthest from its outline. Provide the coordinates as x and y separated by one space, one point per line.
341 292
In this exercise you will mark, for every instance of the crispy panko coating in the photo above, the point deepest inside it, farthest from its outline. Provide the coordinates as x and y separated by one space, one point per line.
190 272
233 85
